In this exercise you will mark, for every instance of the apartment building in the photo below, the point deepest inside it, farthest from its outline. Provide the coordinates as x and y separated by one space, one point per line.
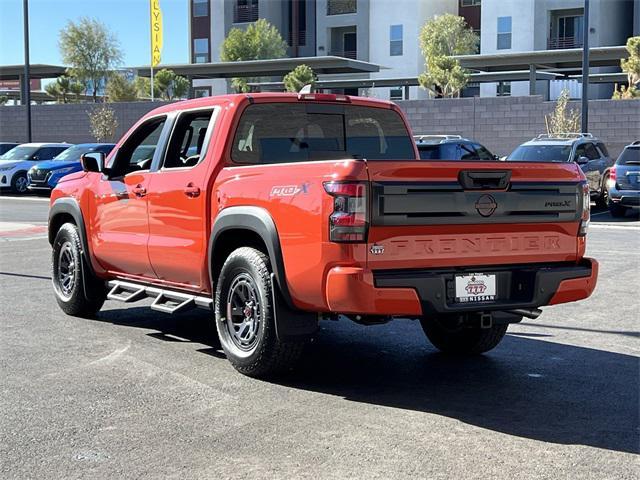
528 25
384 32
211 21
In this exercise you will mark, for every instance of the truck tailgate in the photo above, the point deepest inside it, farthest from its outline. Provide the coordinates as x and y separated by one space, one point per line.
460 214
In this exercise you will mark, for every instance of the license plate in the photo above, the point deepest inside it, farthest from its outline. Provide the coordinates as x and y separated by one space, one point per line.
476 287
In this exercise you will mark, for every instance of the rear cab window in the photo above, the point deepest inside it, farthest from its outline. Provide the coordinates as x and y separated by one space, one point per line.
292 132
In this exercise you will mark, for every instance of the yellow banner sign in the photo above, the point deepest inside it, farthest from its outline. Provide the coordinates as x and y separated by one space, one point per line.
156 32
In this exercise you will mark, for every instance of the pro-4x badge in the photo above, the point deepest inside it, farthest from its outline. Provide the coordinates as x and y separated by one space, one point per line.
377 249
289 190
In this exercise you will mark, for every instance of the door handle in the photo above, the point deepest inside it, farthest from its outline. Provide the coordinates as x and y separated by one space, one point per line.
191 190
139 191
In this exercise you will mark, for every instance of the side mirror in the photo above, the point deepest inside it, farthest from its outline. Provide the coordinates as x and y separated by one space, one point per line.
93 161
582 160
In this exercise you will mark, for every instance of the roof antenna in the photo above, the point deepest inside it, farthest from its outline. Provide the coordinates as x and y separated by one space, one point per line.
308 88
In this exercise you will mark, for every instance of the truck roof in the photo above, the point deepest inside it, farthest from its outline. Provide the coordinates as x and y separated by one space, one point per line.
274 96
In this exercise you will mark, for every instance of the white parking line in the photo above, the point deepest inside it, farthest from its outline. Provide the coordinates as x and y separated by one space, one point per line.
25 199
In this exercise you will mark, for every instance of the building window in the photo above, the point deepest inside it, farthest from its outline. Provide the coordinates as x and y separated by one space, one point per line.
200 50
340 7
246 11
200 8
199 92
504 89
504 33
568 32
470 3
395 40
395 93
302 22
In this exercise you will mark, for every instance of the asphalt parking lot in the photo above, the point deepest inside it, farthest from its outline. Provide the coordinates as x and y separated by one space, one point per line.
135 393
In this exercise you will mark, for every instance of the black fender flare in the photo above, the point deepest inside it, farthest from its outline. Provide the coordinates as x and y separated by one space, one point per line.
290 322
70 206
259 221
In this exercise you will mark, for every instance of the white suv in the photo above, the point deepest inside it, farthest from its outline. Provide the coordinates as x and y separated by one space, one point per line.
15 163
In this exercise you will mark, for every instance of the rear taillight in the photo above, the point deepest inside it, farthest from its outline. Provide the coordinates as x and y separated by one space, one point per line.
586 210
612 174
348 221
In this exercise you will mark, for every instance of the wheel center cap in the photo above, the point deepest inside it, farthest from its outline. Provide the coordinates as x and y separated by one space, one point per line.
247 311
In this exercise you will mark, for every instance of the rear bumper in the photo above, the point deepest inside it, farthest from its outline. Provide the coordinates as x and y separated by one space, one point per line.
430 292
626 198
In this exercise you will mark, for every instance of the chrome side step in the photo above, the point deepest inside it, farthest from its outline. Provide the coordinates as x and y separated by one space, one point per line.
167 301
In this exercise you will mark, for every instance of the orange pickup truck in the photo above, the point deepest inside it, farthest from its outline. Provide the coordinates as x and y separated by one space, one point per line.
275 211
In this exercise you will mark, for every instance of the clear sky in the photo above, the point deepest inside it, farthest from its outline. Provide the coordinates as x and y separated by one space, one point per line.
127 19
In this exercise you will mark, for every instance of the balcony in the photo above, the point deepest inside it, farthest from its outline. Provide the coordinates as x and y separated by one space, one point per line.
245 13
302 38
559 43
344 53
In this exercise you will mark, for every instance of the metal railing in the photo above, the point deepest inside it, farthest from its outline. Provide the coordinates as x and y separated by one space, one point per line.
340 7
302 38
245 13
564 42
344 53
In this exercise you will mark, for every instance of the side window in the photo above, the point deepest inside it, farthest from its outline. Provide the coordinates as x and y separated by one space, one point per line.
580 152
603 149
482 153
591 152
187 145
47 153
449 151
137 151
467 152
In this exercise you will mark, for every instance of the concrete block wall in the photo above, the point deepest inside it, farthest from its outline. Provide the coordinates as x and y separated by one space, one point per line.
65 122
503 123
500 123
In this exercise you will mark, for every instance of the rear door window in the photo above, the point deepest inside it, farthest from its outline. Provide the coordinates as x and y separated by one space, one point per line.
187 145
291 132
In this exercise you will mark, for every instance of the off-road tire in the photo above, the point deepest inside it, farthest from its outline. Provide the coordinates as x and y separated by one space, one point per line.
267 355
462 339
15 188
617 211
73 299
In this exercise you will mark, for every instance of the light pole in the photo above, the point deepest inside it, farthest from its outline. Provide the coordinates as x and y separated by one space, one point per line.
27 82
585 70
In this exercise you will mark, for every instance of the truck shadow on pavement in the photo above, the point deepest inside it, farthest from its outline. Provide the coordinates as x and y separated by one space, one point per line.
527 387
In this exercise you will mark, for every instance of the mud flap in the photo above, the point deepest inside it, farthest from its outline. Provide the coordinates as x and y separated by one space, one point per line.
291 325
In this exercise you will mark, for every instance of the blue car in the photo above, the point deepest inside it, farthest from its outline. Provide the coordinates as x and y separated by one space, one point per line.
44 176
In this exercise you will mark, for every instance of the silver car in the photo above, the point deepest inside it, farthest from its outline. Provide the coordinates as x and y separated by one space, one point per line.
586 150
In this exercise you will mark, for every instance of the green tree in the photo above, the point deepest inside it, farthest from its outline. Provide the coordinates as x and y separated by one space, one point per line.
77 89
563 119
103 122
169 86
63 87
299 77
180 87
91 50
3 99
441 38
631 65
259 41
143 85
121 89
